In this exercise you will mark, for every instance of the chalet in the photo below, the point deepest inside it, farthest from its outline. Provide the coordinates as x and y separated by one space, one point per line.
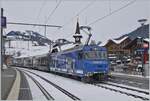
116 46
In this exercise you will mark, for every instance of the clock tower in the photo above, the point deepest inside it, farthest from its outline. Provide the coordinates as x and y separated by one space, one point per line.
77 35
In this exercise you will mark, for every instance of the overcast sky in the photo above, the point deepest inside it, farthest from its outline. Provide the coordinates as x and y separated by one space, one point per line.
37 11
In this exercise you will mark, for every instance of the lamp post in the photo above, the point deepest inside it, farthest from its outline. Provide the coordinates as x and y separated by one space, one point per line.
142 22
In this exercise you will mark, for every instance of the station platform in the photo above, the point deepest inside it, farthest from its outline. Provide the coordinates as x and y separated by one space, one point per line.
129 75
131 80
14 85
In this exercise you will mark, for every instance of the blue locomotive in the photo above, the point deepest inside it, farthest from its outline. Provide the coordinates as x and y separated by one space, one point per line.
88 61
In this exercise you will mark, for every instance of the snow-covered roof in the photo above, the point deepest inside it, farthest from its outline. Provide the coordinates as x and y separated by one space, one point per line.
147 40
119 41
103 43
67 46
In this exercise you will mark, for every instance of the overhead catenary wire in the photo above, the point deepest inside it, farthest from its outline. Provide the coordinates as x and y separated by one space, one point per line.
77 14
50 14
109 6
53 11
111 13
40 10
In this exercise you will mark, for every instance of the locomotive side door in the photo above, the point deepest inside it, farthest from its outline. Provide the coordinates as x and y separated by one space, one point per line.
80 66
69 65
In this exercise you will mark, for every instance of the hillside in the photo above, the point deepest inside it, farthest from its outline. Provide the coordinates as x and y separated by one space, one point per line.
28 36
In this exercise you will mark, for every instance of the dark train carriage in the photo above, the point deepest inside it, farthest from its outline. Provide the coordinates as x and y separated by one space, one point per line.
40 62
18 61
28 62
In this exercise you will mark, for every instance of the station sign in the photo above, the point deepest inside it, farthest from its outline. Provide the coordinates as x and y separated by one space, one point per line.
140 50
3 22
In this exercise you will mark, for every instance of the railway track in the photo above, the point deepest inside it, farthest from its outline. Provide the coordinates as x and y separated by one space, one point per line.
43 90
73 97
123 87
104 85
142 84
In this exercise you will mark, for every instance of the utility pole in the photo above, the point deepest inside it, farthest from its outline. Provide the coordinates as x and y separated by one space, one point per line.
45 31
2 54
3 25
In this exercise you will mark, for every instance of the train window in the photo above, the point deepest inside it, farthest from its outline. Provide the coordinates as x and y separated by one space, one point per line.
55 50
91 55
80 55
95 55
103 55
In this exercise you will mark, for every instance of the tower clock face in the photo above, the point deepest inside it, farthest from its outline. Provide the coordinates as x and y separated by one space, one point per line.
77 39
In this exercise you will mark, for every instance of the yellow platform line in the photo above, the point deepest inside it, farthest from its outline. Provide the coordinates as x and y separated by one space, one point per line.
14 93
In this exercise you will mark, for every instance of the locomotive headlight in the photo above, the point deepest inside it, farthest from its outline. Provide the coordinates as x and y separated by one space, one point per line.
89 74
96 62
95 49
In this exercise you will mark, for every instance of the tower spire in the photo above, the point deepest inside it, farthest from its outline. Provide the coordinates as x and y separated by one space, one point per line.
77 34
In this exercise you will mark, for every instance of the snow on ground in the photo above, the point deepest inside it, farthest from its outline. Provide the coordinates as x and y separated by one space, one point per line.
56 94
36 93
85 92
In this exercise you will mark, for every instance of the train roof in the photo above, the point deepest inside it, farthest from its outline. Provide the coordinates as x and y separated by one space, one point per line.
42 55
82 47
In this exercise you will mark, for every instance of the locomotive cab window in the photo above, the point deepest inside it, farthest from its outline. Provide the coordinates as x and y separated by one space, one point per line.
95 55
80 55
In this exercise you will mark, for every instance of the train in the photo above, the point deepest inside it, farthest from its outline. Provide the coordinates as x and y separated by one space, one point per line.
81 61
88 62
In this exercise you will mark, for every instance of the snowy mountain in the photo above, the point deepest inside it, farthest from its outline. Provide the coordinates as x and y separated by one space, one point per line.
28 36
30 43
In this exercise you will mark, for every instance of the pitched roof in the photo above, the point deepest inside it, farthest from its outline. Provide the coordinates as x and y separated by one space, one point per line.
77 28
118 41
